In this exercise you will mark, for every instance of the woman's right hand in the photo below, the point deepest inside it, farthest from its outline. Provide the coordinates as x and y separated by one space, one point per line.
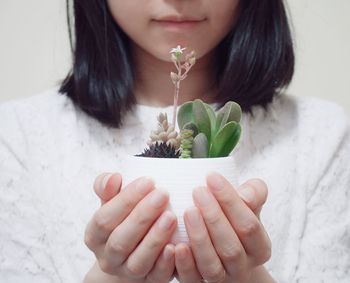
130 232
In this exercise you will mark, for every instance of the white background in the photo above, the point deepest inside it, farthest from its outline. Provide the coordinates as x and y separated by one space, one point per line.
35 54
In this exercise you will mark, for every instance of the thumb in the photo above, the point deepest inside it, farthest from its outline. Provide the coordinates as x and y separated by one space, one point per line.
107 186
254 193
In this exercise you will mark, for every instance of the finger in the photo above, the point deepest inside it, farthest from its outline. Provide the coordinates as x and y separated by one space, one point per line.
186 268
112 213
163 269
224 238
146 253
245 223
206 258
124 239
107 185
254 193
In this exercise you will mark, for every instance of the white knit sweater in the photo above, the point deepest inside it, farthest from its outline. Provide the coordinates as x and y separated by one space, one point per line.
51 152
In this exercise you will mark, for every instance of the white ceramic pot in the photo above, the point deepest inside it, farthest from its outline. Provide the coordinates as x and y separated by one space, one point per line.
179 177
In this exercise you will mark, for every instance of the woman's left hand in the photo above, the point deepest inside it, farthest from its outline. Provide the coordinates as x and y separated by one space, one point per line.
228 241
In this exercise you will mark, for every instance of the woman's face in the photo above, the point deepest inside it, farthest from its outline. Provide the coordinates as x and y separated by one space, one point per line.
156 26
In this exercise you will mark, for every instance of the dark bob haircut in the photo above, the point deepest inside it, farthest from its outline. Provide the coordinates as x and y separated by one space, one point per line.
255 60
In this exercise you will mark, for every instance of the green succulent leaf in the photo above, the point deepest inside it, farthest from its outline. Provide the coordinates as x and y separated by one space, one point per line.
231 111
191 126
201 118
225 140
200 147
212 117
185 114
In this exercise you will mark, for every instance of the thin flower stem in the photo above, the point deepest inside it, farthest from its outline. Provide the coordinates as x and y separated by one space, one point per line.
190 60
184 74
176 98
178 67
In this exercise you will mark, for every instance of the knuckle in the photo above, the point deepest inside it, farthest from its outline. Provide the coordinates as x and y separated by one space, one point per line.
198 239
117 248
155 243
214 273
231 253
263 256
89 241
143 219
267 256
212 217
128 201
101 221
227 201
250 228
135 270
105 266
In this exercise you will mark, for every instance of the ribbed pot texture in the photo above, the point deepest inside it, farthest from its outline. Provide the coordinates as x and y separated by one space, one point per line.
179 177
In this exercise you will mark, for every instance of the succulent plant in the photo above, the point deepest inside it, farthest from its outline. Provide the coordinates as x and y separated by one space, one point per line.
165 133
203 133
215 134
186 143
161 150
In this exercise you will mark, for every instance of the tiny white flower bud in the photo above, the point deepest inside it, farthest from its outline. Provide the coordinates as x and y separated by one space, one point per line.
174 58
174 77
192 60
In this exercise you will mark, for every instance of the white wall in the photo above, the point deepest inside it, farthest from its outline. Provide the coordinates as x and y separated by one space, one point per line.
34 48
322 32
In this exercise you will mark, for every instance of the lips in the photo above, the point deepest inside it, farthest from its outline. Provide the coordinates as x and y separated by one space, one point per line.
179 22
178 19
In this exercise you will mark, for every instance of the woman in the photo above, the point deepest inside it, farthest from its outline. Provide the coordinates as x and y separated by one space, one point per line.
52 150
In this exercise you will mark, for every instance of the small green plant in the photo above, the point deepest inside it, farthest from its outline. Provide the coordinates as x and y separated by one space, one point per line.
186 143
214 134
203 132
165 133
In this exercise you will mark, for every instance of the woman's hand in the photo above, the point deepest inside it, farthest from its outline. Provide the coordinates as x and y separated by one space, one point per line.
130 232
228 242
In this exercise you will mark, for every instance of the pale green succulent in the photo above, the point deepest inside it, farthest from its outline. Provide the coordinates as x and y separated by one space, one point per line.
214 134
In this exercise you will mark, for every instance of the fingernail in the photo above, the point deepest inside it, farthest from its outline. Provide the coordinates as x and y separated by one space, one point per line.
216 181
193 217
168 252
247 194
202 196
158 198
143 184
165 221
104 182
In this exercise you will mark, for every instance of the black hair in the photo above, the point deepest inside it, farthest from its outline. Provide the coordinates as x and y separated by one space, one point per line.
255 60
